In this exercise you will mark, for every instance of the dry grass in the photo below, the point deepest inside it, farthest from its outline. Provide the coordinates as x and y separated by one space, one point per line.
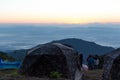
11 74
93 75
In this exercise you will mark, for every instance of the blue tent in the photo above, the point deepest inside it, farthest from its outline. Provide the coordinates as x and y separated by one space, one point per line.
9 65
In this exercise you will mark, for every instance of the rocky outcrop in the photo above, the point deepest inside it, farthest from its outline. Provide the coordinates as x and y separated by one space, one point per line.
42 60
112 65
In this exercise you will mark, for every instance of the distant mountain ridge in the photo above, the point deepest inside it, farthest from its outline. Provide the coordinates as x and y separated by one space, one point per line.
85 47
79 45
19 55
6 57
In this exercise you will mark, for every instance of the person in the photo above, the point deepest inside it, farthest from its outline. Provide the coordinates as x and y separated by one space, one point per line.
84 67
96 63
91 62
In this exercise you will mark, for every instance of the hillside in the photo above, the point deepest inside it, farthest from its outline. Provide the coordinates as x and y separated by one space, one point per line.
85 47
80 45
18 54
4 56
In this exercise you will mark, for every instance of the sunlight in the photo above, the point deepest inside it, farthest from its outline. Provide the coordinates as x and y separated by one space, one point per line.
59 11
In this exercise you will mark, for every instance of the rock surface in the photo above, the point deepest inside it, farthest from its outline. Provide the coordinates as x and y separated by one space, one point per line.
41 60
112 65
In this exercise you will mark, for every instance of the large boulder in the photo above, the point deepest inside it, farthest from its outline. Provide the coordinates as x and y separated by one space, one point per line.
112 65
42 60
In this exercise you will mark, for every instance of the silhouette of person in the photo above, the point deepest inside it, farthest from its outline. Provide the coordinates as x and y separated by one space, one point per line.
91 62
96 62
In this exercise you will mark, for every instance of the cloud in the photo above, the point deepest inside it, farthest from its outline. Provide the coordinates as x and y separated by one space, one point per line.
6 35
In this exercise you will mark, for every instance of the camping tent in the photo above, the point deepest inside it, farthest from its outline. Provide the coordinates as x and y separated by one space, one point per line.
112 65
44 59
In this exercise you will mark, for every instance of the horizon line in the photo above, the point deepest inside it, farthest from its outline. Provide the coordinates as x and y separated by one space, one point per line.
62 23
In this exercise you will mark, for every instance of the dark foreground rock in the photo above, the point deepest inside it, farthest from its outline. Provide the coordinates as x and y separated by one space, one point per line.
112 65
51 57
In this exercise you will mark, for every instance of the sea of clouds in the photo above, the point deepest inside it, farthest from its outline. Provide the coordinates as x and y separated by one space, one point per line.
24 36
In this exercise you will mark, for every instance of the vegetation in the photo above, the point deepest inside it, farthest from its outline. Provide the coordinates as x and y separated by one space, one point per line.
8 72
4 56
55 74
11 74
93 75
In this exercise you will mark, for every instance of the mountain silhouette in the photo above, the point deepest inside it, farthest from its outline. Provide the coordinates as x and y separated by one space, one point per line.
85 47
81 46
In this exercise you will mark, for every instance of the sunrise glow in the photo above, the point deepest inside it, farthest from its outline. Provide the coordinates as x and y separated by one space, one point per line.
59 11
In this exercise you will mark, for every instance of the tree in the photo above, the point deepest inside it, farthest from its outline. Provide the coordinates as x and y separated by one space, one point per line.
4 56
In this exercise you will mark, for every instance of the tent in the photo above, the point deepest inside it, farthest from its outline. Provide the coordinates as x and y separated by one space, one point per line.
44 59
112 65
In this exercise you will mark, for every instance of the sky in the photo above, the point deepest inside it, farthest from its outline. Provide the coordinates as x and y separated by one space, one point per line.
60 11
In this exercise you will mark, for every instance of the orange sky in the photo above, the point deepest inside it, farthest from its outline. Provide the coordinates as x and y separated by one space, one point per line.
59 11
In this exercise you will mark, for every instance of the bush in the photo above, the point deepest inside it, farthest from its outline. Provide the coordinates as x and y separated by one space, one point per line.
4 56
55 74
14 74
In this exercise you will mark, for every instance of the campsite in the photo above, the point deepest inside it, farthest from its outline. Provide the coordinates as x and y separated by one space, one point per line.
56 61
59 39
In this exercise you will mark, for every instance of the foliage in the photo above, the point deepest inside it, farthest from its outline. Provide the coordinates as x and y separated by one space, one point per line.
55 74
4 56
14 74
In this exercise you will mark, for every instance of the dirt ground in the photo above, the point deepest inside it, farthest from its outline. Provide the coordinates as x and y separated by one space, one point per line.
13 75
93 75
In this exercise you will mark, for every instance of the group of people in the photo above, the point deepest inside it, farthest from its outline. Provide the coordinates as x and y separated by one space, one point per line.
93 62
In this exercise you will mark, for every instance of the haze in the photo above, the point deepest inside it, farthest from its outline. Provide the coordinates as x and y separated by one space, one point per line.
60 11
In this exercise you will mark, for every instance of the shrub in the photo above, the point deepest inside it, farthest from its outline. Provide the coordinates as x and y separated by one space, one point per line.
55 74
4 56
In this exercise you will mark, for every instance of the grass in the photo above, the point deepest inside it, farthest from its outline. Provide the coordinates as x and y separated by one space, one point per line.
55 74
93 75
11 74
